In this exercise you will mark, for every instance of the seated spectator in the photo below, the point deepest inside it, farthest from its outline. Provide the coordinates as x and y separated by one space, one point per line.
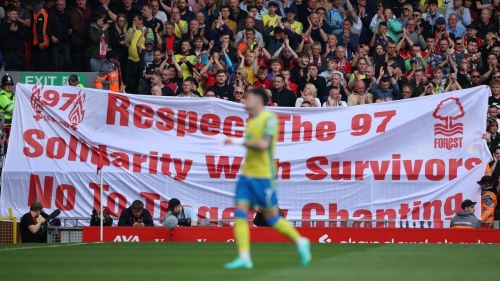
359 95
260 220
466 218
241 35
238 95
281 95
334 99
31 224
453 27
156 91
210 94
221 89
181 212
136 216
406 91
156 81
187 91
306 104
331 68
95 219
309 90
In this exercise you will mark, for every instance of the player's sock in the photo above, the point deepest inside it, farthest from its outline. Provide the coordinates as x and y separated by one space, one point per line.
242 235
284 227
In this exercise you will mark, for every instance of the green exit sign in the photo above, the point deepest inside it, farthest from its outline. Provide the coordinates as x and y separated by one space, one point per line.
50 79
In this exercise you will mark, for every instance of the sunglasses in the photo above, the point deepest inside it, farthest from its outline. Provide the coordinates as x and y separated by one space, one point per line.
238 92
496 77
475 76
405 9
238 73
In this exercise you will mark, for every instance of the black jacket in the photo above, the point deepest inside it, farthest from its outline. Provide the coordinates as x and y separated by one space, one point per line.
259 219
59 26
128 219
227 91
284 98
10 40
320 84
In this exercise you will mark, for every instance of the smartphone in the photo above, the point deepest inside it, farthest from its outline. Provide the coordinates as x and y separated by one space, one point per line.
139 221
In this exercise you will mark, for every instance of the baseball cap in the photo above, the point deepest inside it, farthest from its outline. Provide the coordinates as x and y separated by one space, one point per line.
307 40
467 203
172 203
112 54
440 20
287 10
472 26
394 65
150 41
272 3
414 59
485 179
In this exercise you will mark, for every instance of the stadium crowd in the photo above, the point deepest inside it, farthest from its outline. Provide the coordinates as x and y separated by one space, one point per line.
306 53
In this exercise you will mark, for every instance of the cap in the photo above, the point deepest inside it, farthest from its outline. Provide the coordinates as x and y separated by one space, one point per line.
106 211
440 20
289 10
485 179
467 203
272 3
100 10
150 41
307 40
278 30
172 203
414 59
112 54
472 26
430 2
395 65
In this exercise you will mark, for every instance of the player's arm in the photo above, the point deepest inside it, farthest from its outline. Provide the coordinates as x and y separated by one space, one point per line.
261 144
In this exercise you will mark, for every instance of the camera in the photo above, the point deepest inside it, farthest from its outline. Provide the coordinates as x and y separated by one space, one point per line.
184 222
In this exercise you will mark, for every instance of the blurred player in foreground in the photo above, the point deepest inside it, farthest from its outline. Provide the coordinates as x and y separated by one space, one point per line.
256 187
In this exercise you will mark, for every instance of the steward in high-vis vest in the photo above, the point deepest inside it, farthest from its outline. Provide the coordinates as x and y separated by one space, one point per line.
488 201
109 76
74 81
466 218
7 98
41 40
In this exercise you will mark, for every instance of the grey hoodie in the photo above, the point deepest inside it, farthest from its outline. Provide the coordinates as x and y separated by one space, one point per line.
465 219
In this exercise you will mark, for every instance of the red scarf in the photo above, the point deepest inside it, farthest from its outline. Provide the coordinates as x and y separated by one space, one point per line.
473 62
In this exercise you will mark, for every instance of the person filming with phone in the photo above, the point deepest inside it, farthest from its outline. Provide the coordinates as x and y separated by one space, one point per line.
136 215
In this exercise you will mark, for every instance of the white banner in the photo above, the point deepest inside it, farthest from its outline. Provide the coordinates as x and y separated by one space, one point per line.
410 160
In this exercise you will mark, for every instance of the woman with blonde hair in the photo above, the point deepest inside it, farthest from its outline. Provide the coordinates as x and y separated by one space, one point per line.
241 78
309 90
406 13
117 34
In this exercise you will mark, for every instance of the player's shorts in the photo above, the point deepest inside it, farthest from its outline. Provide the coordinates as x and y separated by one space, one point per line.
257 192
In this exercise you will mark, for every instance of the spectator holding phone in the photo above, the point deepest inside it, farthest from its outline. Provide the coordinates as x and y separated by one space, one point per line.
136 216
